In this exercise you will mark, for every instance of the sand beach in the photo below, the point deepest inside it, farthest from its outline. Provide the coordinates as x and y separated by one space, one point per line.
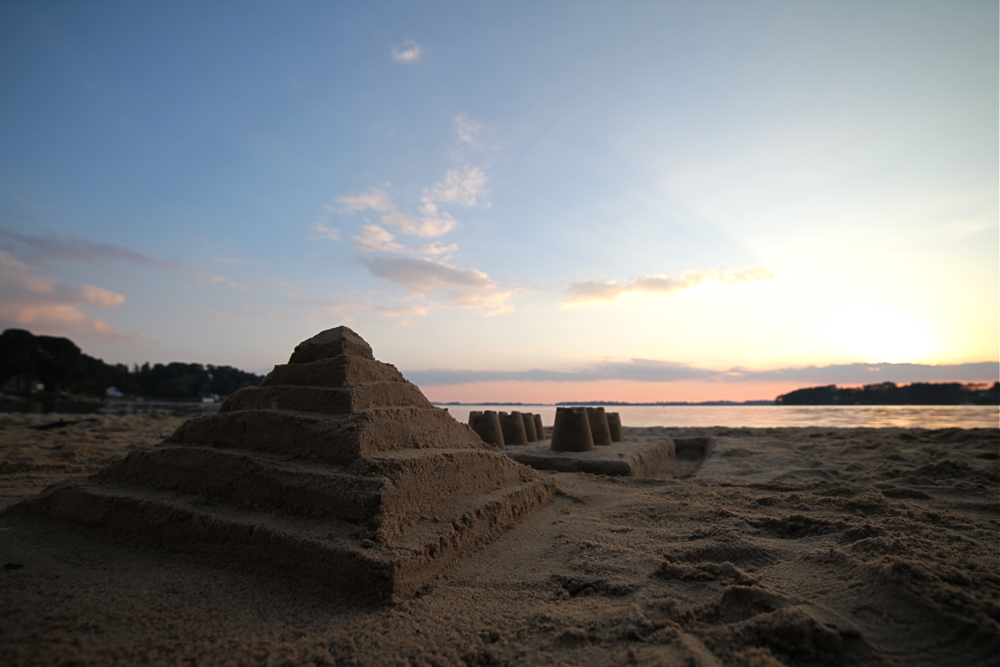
805 546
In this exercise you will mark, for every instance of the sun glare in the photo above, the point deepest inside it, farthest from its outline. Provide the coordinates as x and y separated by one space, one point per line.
881 336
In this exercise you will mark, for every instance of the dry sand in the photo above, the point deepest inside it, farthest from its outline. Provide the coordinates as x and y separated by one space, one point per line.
786 546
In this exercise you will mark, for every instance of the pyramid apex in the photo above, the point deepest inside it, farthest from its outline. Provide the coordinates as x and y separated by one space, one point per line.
330 343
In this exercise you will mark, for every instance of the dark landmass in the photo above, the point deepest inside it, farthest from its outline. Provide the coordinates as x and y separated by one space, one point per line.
41 366
888 393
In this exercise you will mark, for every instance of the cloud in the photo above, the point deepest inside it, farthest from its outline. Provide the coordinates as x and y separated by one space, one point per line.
144 339
322 231
493 301
641 370
41 251
468 130
437 249
464 187
374 199
458 187
47 306
15 272
646 370
372 239
397 311
341 307
429 224
592 291
407 51
865 373
375 239
469 288
208 276
102 298
424 275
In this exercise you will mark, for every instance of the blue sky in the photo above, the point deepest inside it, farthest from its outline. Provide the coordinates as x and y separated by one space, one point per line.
656 200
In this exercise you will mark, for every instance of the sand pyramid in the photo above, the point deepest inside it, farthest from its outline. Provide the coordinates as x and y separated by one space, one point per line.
334 468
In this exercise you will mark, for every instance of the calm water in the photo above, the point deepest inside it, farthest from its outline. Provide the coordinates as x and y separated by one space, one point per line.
760 416
776 416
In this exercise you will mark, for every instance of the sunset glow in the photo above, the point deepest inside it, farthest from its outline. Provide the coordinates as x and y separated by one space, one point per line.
512 202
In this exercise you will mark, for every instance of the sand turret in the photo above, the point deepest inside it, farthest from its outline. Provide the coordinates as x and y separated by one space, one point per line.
334 467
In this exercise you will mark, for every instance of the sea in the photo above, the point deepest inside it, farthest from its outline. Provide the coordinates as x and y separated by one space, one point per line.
733 416
777 416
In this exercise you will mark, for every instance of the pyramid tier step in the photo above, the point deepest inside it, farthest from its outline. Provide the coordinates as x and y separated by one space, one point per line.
388 493
422 482
252 481
333 553
327 551
333 439
331 343
327 399
464 527
337 371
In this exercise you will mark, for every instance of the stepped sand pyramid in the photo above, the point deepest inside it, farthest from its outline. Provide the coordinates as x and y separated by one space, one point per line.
334 468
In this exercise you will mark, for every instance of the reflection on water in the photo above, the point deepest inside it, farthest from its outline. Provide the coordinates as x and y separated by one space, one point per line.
778 416
753 416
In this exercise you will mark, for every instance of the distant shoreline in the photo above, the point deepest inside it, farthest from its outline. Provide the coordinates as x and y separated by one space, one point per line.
618 403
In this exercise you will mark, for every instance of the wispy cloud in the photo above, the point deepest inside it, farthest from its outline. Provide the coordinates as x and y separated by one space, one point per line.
641 370
864 373
435 249
41 251
144 339
464 187
422 269
460 187
429 223
340 308
492 300
373 238
208 276
102 298
325 232
43 304
375 199
468 288
591 291
468 130
398 311
421 276
646 370
407 51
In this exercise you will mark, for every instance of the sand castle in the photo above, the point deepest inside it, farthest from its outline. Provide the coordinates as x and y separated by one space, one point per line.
335 468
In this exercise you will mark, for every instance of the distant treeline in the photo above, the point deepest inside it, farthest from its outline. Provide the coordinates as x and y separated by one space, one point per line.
59 366
888 393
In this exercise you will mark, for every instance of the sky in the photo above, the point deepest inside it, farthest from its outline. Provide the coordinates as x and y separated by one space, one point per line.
512 201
